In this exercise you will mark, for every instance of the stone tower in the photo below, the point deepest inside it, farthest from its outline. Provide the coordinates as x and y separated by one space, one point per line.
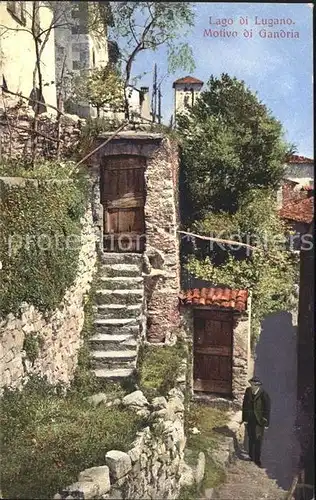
186 90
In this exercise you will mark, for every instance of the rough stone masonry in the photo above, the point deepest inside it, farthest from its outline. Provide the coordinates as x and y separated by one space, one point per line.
61 334
154 467
162 276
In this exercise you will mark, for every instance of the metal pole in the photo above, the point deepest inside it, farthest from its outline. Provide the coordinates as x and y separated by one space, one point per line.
159 105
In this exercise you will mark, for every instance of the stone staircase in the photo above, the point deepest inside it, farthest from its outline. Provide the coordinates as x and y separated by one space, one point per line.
118 316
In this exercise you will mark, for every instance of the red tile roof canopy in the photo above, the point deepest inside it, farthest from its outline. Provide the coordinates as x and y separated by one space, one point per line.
188 80
220 297
300 159
299 210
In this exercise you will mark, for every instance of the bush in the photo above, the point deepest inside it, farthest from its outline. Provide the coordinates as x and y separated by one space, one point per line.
40 234
32 346
47 439
159 368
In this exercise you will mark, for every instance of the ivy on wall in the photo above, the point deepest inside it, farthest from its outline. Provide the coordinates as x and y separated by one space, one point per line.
270 272
32 346
39 233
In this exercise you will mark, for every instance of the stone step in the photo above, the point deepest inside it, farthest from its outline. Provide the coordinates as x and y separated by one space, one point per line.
104 341
116 359
120 282
114 355
127 297
114 373
121 258
117 330
116 322
123 270
118 311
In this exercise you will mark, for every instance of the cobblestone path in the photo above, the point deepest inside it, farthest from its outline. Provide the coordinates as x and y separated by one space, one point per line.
245 481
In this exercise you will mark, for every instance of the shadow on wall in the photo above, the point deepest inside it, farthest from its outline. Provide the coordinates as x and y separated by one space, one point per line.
276 366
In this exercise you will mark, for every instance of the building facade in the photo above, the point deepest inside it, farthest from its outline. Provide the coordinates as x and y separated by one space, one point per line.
300 169
305 364
186 91
80 45
17 50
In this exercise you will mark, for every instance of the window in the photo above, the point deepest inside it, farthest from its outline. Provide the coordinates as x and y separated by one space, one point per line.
77 65
79 30
186 101
113 51
17 10
76 48
84 57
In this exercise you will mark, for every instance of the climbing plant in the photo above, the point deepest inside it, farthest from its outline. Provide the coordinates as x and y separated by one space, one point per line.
269 272
40 233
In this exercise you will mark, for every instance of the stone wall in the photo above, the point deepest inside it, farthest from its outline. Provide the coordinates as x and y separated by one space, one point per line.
59 335
154 467
306 361
241 357
17 50
15 132
161 256
161 216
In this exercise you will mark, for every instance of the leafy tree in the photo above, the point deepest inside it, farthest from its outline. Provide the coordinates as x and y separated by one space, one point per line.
231 143
140 26
269 272
100 87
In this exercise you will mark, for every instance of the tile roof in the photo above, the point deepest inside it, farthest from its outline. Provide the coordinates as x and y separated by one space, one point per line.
221 297
300 159
188 79
299 210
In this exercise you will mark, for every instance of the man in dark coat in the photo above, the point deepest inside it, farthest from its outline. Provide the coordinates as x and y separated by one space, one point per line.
256 416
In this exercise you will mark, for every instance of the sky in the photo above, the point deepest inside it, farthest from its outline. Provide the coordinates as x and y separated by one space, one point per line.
280 70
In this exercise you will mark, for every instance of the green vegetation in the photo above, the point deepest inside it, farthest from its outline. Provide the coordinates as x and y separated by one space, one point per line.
100 87
154 25
91 129
159 368
206 420
270 272
32 346
231 145
40 233
48 438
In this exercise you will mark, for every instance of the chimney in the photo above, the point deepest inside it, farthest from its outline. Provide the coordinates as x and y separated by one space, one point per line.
144 103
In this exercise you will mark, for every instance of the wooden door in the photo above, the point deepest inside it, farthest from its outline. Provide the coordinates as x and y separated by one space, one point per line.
213 343
123 199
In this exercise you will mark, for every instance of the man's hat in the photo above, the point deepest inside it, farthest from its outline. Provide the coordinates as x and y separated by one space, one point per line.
255 380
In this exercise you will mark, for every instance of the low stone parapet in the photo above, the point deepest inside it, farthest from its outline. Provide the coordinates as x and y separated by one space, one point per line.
154 466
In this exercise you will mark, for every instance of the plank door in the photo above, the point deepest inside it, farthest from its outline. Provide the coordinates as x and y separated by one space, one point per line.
123 199
213 346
